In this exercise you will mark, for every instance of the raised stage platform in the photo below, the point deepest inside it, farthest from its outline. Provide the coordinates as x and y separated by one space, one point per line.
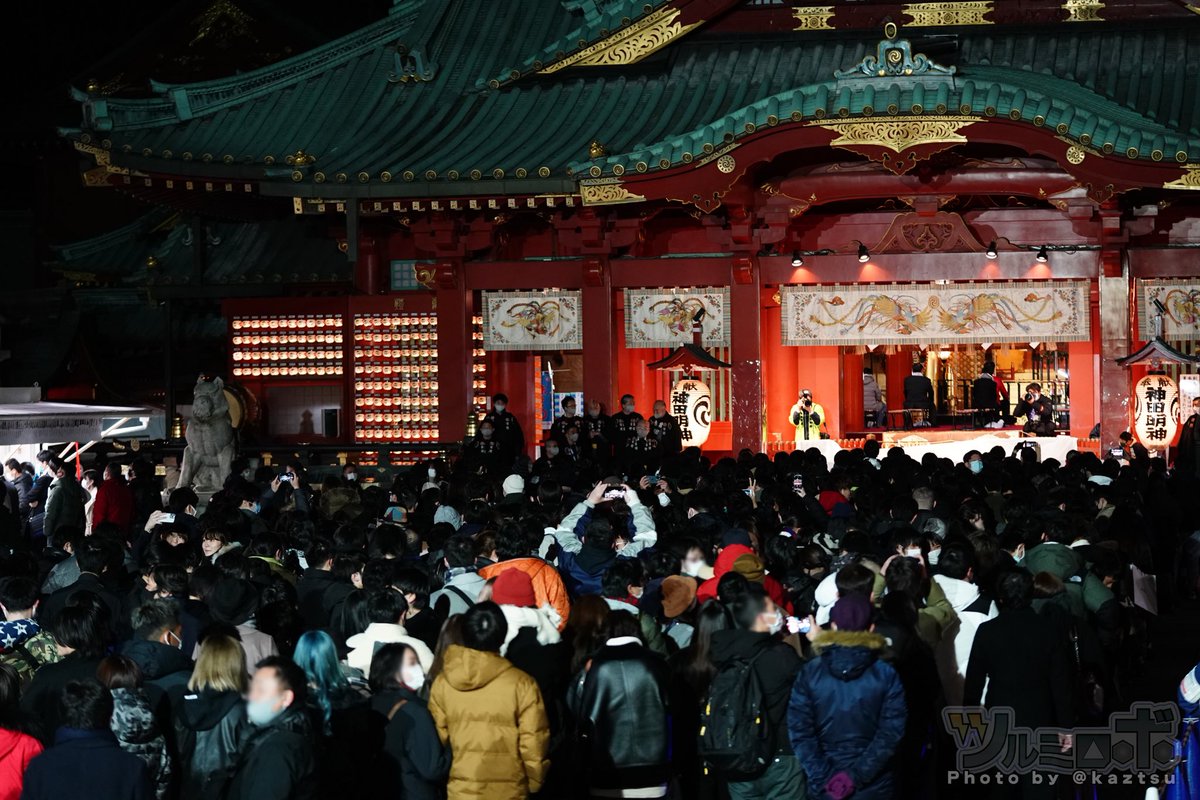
950 444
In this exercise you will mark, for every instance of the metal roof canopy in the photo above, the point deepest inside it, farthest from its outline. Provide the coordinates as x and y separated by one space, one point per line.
41 422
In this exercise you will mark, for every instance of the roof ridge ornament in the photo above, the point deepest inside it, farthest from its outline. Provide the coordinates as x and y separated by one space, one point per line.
410 66
893 58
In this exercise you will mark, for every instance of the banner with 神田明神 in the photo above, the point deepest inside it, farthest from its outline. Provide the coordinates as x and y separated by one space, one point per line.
532 321
935 314
663 317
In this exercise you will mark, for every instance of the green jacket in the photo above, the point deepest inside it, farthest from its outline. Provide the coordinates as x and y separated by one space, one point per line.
1085 591
64 506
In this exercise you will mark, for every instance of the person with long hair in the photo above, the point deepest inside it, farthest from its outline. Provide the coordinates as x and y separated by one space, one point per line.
583 629
414 763
133 720
451 634
692 671
210 717
17 748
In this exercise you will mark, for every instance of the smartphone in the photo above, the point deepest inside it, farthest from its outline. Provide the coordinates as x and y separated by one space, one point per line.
167 518
748 492
798 485
613 493
287 476
805 626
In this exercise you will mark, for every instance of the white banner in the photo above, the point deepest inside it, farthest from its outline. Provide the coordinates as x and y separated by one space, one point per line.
663 317
532 321
866 314
1181 304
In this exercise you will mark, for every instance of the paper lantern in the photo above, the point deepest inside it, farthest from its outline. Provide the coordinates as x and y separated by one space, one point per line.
1156 410
691 405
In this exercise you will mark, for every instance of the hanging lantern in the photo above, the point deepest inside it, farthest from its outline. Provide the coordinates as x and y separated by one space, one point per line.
1156 410
691 405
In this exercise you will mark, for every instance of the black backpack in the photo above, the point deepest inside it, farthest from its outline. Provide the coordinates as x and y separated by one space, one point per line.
735 737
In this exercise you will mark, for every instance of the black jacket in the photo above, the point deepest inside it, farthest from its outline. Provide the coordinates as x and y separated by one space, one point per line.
918 392
165 670
620 708
1023 657
310 596
40 701
413 763
53 605
776 669
24 486
208 727
87 764
276 761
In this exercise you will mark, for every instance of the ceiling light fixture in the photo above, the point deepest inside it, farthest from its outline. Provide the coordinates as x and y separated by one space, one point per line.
864 255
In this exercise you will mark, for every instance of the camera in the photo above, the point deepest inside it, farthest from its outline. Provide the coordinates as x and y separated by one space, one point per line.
808 402
1028 397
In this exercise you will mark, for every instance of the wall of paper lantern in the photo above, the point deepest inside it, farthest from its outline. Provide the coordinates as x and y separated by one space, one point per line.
395 377
292 346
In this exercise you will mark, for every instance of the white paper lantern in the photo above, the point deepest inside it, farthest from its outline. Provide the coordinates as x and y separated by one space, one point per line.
1156 410
691 405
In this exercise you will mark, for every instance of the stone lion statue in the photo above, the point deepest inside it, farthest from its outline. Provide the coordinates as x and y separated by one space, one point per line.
209 452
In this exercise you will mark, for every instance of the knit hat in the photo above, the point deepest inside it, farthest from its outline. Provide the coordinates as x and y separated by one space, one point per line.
678 593
513 484
514 588
851 613
750 567
448 514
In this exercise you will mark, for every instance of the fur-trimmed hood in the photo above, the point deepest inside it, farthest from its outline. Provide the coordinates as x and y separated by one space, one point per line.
848 654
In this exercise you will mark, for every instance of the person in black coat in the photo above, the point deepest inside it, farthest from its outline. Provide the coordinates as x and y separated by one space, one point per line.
757 620
620 708
95 556
413 762
86 760
158 650
1022 658
918 392
210 716
316 580
78 633
665 429
1037 410
508 429
847 714
276 758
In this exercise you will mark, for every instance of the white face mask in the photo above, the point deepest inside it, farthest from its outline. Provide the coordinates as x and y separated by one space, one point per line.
431 472
693 567
350 476
933 557
776 625
913 552
500 408
413 676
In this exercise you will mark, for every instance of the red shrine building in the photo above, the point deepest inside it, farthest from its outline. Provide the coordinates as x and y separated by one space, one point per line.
469 197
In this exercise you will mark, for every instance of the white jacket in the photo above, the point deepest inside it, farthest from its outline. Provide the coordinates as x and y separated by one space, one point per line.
363 646
954 650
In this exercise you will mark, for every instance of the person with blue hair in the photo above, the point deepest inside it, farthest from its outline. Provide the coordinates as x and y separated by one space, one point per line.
330 690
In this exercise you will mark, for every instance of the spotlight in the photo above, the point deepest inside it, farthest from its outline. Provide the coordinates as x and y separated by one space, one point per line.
864 255
991 249
797 259
1042 257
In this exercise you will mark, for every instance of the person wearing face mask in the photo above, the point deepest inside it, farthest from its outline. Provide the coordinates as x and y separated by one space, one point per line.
665 429
642 452
594 431
558 428
156 648
484 453
623 424
551 464
1037 410
276 760
974 461
754 639
572 450
413 762
972 608
251 510
507 426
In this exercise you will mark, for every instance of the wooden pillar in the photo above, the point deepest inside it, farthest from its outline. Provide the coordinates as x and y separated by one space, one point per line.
899 367
779 372
746 354
367 271
455 307
512 374
1115 340
852 392
599 339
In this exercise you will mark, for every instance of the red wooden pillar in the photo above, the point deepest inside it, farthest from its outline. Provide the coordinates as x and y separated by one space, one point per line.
745 351
512 374
454 306
780 373
899 367
599 333
852 392
367 269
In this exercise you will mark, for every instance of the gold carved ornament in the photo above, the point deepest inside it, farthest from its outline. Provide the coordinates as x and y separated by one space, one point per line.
898 135
932 15
1076 154
1188 180
1083 10
646 36
607 194
813 18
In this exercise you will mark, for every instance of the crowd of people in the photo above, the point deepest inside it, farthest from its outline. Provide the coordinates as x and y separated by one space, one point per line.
609 624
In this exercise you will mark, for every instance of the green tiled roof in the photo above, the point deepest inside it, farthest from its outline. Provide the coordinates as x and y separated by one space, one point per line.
275 251
1127 87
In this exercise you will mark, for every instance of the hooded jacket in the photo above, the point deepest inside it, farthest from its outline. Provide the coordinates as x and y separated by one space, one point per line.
547 583
363 645
277 760
414 763
847 713
724 563
971 609
872 394
490 715
137 732
164 668
208 727
16 751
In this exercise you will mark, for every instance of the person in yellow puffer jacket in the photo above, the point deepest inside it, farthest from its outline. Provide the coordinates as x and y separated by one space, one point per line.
490 714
